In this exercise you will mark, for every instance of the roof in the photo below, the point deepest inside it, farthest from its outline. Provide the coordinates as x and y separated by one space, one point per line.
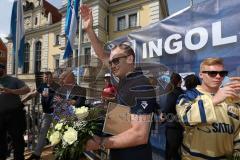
2 46
56 16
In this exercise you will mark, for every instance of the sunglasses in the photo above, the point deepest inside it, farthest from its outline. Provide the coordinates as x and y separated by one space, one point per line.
116 60
123 45
215 73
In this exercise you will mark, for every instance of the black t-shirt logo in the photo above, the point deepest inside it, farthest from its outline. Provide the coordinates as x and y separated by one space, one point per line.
144 104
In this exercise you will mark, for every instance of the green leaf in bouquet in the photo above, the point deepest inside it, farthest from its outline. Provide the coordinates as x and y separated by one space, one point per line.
95 113
86 128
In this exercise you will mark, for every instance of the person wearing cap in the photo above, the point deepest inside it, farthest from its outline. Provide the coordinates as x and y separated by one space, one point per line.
109 91
133 91
12 114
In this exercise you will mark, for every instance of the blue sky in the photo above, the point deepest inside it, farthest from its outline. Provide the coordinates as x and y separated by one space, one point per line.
5 15
6 7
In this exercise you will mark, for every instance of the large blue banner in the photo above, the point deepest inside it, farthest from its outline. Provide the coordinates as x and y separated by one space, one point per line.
182 41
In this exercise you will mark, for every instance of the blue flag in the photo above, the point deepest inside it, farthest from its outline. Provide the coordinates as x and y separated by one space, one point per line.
71 26
17 30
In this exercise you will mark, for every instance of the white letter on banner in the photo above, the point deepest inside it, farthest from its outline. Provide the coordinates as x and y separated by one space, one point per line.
156 49
144 50
133 45
217 35
177 44
203 38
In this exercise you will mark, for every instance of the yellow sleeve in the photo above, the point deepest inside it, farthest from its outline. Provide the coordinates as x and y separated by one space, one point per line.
195 110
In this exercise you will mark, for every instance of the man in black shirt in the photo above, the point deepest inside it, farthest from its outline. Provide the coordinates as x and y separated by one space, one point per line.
134 90
47 90
12 115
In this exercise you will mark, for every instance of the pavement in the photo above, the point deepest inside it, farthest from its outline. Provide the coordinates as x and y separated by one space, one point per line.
46 154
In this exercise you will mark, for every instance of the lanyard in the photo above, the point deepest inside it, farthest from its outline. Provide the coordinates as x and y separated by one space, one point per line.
68 94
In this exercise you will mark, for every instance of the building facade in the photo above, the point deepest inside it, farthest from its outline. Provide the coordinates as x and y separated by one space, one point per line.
42 23
3 52
111 19
46 40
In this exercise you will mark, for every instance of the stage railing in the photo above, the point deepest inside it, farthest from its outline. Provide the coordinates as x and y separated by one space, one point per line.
33 120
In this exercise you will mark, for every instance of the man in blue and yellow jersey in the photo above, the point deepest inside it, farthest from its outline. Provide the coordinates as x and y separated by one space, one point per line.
212 126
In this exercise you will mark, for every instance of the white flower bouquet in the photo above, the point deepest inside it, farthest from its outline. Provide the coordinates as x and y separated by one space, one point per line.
71 130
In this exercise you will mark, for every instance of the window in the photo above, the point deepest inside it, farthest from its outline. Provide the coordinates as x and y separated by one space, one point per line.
66 40
85 37
132 20
70 60
14 64
38 56
57 42
128 20
121 23
87 55
57 63
36 21
1 54
106 24
26 58
76 58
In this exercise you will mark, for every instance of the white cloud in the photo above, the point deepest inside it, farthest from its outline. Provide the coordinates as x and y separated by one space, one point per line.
6 8
56 3
5 15
2 35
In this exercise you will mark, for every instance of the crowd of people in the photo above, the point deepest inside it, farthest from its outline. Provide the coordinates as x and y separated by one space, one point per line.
13 115
206 127
204 123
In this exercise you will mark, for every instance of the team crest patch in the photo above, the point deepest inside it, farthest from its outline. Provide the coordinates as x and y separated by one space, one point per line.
144 104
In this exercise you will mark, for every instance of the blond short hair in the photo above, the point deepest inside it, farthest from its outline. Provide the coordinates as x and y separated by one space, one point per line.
210 62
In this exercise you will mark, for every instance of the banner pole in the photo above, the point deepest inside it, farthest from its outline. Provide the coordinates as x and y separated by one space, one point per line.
191 3
16 50
79 46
